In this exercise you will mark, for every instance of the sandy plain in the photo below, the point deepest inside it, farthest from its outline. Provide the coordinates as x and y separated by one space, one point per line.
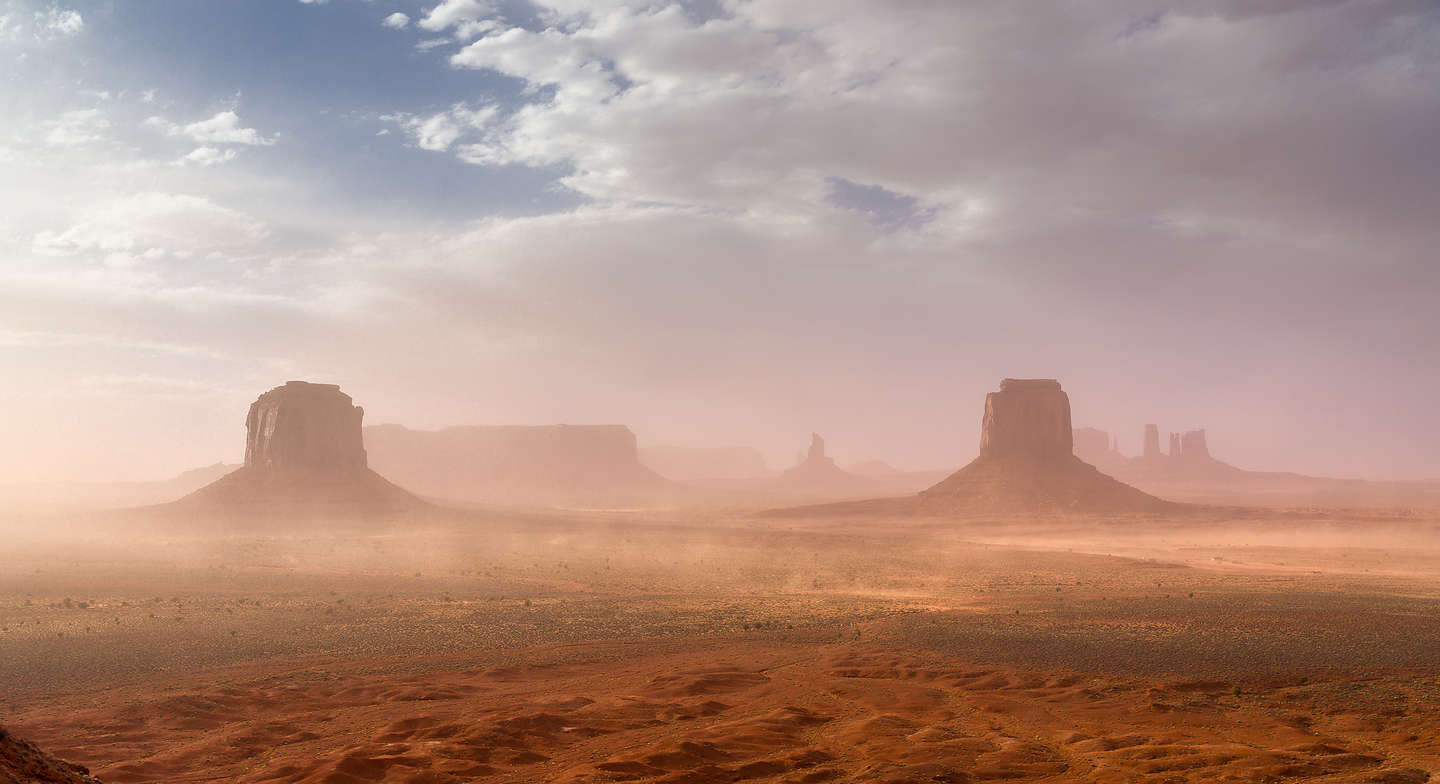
699 646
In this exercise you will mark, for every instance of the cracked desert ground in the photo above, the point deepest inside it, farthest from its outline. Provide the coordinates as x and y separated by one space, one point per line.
700 646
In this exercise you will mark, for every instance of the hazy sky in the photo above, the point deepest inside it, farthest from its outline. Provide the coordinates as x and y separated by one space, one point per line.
722 222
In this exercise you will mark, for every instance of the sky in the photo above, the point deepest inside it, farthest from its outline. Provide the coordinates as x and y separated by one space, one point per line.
722 222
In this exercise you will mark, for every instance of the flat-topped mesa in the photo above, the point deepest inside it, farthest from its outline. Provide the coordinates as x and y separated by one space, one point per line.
304 427
1028 418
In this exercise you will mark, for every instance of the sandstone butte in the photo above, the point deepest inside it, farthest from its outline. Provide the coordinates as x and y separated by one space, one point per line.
304 458
1026 465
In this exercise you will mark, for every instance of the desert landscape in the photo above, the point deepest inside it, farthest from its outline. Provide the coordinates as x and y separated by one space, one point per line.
1030 621
719 391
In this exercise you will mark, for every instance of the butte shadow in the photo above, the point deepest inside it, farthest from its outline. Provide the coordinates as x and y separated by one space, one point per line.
1026 465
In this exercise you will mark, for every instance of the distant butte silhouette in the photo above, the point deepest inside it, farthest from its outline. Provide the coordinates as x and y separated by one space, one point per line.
1027 461
304 458
1026 464
818 471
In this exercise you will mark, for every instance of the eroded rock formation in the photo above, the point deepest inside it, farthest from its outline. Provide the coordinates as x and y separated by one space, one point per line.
1027 417
1193 446
304 458
304 427
1027 464
818 472
817 449
1152 442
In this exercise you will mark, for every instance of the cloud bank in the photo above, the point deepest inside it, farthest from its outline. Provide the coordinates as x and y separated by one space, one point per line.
780 216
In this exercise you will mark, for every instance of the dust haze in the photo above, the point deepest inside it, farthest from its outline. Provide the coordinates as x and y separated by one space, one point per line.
748 391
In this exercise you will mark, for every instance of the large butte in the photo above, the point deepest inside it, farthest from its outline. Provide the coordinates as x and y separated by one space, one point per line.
1027 462
304 460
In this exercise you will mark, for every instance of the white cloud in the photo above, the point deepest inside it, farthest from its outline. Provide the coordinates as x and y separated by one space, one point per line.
60 22
223 128
170 222
454 13
437 132
74 128
207 156
10 28
755 110
396 21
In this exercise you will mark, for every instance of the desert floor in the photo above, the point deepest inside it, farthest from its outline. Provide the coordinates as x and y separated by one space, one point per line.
717 646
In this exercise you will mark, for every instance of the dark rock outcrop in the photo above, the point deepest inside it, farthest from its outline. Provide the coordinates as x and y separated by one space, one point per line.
22 763
304 459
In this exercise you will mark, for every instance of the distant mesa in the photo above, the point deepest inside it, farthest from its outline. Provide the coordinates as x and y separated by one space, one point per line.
565 465
304 457
1186 457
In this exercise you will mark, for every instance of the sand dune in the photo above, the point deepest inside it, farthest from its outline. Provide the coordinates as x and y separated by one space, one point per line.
758 713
